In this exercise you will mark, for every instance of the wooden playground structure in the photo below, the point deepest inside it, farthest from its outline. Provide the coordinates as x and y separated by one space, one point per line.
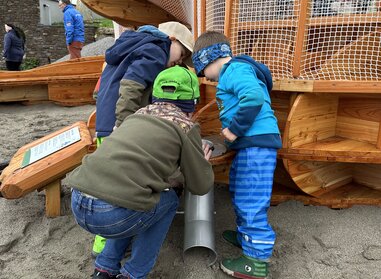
68 83
326 64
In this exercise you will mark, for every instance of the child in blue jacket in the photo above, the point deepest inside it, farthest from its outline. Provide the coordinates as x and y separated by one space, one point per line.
133 63
249 127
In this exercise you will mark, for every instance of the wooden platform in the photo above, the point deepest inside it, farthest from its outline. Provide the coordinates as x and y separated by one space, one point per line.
67 83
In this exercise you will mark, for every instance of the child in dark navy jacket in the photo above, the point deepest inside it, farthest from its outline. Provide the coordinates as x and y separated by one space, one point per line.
249 127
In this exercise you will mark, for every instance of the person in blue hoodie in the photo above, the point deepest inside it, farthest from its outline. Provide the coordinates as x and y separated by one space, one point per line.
249 126
14 42
133 63
74 28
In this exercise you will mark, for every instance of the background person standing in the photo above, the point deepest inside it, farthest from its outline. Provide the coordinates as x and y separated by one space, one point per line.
14 43
74 28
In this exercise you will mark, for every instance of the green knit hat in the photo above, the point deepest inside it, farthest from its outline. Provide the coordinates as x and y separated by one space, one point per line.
176 83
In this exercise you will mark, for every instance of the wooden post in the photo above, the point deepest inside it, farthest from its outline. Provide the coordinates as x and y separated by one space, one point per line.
228 13
53 199
203 16
300 34
195 21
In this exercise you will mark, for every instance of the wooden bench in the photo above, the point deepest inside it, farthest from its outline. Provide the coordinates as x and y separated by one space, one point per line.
67 83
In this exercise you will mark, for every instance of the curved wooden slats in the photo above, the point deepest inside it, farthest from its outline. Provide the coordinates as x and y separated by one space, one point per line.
130 12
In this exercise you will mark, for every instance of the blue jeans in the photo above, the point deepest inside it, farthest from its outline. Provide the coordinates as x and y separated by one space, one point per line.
121 226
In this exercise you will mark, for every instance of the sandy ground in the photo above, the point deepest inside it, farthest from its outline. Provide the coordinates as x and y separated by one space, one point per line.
312 242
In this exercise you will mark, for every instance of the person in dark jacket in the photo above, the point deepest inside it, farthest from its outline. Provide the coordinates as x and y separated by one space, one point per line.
133 63
74 28
123 192
14 44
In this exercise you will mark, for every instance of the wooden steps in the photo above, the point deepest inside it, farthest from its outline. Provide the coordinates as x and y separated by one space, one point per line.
68 83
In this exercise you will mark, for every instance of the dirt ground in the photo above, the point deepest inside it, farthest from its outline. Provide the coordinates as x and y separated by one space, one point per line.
312 242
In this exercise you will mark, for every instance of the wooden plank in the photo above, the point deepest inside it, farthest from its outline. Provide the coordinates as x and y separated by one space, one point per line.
203 16
300 37
346 86
358 130
37 92
317 178
229 4
195 20
76 92
361 108
335 149
368 175
348 19
313 118
343 197
53 199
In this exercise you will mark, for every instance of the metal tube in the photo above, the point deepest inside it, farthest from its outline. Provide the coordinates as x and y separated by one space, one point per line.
199 224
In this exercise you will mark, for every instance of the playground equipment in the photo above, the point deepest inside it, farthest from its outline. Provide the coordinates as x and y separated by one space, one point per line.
325 59
68 83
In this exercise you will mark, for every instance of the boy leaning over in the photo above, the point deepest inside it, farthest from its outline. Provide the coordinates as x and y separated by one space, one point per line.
121 190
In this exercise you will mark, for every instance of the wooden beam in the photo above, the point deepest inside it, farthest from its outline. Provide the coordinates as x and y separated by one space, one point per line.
228 17
195 20
300 36
203 16
53 199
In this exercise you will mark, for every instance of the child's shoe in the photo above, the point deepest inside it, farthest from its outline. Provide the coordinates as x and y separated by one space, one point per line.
231 237
245 267
98 274
99 244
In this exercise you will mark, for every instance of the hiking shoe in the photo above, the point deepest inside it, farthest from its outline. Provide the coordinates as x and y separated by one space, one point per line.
231 237
99 244
245 267
121 276
102 275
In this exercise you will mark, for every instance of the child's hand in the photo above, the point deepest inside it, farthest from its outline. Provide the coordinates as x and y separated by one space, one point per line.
229 136
207 151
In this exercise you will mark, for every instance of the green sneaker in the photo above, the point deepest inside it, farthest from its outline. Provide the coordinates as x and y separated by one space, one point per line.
245 267
231 237
99 244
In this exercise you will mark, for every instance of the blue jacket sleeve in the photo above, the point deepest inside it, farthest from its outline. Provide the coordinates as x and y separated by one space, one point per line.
148 62
251 98
69 28
7 45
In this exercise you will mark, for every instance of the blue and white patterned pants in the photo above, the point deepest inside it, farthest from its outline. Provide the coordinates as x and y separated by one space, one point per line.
251 180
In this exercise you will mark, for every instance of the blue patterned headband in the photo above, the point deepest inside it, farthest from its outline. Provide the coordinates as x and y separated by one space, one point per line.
207 55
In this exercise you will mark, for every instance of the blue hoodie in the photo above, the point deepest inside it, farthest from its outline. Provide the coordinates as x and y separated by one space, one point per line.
244 102
136 56
74 27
